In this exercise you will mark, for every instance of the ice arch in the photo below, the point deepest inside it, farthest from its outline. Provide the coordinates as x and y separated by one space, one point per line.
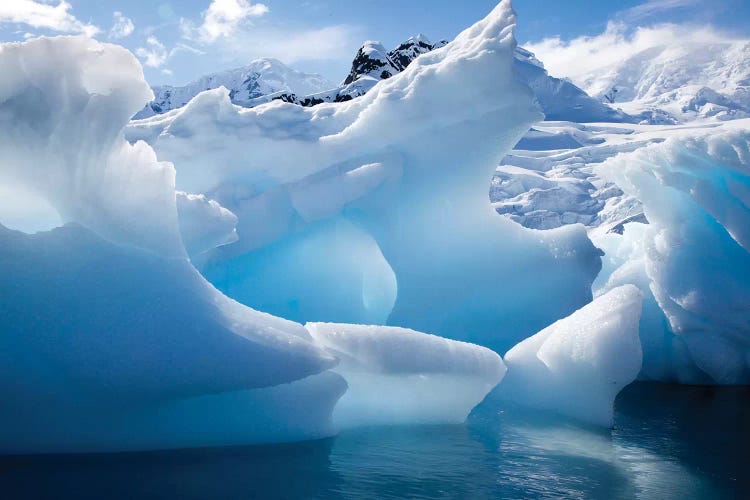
409 163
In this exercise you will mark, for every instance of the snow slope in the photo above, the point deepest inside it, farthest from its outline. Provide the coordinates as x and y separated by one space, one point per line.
687 80
560 99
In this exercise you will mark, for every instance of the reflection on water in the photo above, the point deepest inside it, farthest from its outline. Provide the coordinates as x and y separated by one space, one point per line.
669 442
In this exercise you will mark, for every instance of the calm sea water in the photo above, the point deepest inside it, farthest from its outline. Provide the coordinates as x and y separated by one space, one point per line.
669 442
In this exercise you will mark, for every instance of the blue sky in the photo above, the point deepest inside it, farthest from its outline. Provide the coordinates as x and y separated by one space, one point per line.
179 40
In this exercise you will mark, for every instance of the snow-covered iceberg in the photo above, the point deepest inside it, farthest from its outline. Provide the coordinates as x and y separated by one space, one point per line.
579 364
408 165
693 259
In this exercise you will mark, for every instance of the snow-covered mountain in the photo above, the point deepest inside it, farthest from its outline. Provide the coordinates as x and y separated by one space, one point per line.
371 64
266 79
260 78
559 99
688 81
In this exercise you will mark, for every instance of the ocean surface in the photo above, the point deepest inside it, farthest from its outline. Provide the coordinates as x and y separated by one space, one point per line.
668 442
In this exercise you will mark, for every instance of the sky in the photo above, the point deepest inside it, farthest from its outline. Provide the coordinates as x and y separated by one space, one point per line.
180 40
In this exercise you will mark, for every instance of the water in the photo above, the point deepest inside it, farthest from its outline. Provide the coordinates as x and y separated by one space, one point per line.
669 442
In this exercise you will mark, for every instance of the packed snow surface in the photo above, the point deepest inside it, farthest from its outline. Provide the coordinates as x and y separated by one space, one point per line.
577 365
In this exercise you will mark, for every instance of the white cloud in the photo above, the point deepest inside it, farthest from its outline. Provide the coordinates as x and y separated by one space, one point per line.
122 26
226 34
44 15
335 42
222 19
651 8
155 54
586 55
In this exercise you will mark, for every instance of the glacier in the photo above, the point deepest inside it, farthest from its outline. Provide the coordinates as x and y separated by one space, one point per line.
672 77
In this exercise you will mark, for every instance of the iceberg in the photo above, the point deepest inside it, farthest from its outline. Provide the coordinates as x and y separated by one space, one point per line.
693 259
397 375
579 364
405 169
112 340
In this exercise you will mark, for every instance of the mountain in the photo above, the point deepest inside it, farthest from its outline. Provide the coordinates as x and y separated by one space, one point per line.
684 81
559 99
264 80
371 64
262 77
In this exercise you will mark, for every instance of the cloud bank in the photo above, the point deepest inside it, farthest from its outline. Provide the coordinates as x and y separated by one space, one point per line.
585 55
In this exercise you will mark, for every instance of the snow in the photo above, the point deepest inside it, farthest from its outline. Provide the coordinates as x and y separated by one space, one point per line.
550 179
694 254
579 364
699 79
410 174
260 78
397 375
560 99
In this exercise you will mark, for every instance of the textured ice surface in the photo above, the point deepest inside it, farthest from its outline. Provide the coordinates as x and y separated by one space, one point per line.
408 164
397 375
577 365
204 224
111 339
695 190
62 139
